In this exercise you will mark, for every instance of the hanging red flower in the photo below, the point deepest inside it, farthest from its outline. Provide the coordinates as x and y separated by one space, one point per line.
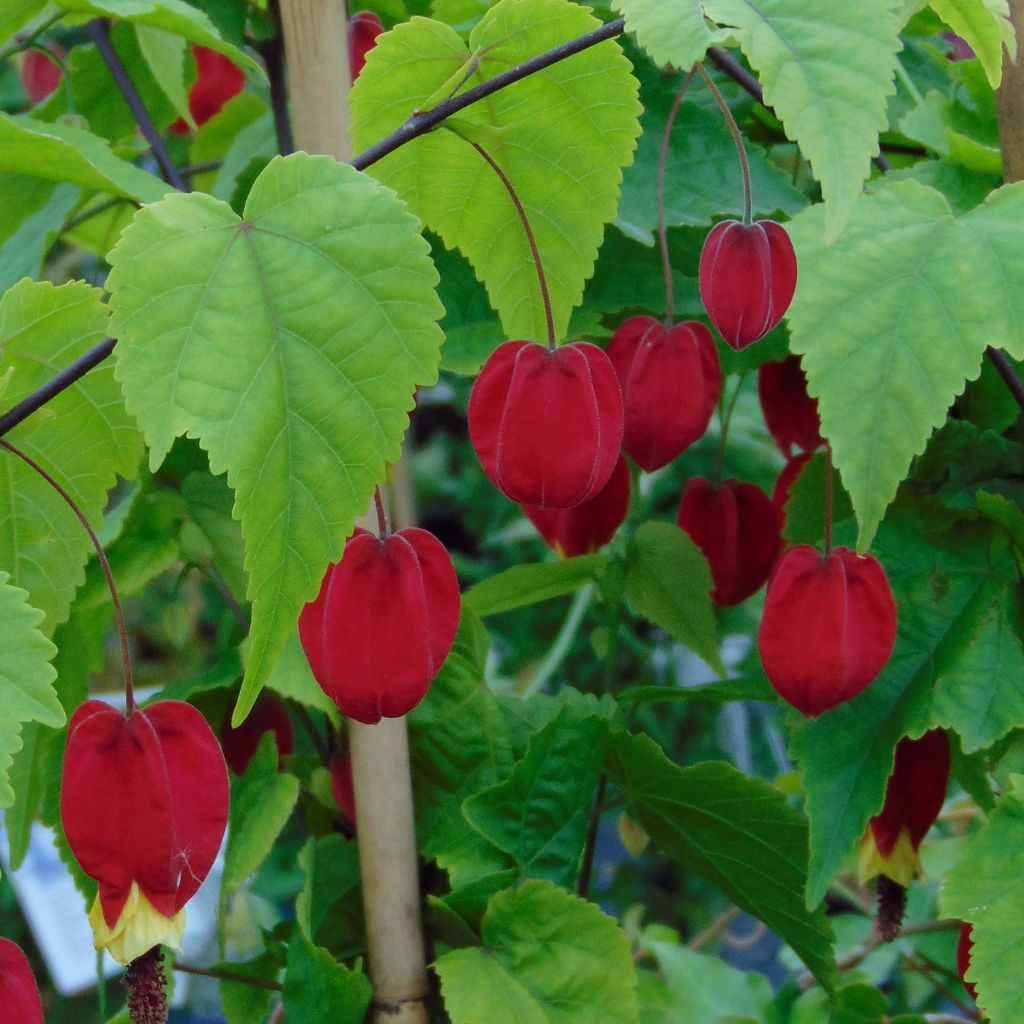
19 993
144 802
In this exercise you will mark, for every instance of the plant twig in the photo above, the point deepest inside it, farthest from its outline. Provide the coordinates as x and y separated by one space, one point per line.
272 52
99 32
241 979
713 930
590 846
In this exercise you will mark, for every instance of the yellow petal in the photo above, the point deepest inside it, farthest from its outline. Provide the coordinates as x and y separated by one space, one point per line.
139 928
901 865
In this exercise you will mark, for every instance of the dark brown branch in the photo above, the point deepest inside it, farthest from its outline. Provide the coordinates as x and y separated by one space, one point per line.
99 32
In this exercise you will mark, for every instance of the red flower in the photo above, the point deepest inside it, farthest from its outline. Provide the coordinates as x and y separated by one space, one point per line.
589 526
342 785
218 79
670 381
747 278
268 714
914 796
828 627
547 426
363 30
737 527
39 74
383 623
19 994
144 801
789 411
788 476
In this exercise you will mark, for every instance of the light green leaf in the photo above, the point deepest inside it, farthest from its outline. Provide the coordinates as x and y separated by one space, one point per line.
61 152
16 14
26 677
539 814
892 320
529 584
165 55
85 442
671 31
173 16
318 988
208 501
827 70
668 581
548 958
292 677
947 669
290 344
331 866
563 136
986 26
737 832
31 215
262 801
986 888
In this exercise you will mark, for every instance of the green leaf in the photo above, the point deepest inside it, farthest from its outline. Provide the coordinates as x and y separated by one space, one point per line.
16 14
459 744
331 865
561 136
668 581
827 71
529 584
173 16
892 320
32 214
805 508
737 832
671 31
26 677
290 344
208 501
702 175
950 667
165 55
539 814
548 958
85 442
292 677
752 688
61 152
262 801
986 888
986 26
318 988
243 1004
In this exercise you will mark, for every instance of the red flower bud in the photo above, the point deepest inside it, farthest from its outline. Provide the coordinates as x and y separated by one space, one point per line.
144 801
738 529
383 623
914 796
547 426
239 745
342 785
790 413
670 381
747 278
19 994
589 526
40 76
218 79
785 480
828 627
964 949
363 30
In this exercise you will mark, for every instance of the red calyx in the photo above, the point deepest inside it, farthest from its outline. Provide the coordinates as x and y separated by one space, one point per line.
738 528
19 993
218 80
383 623
670 381
590 525
828 628
342 785
547 426
747 278
144 799
790 413
915 791
40 76
963 958
363 30
239 745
